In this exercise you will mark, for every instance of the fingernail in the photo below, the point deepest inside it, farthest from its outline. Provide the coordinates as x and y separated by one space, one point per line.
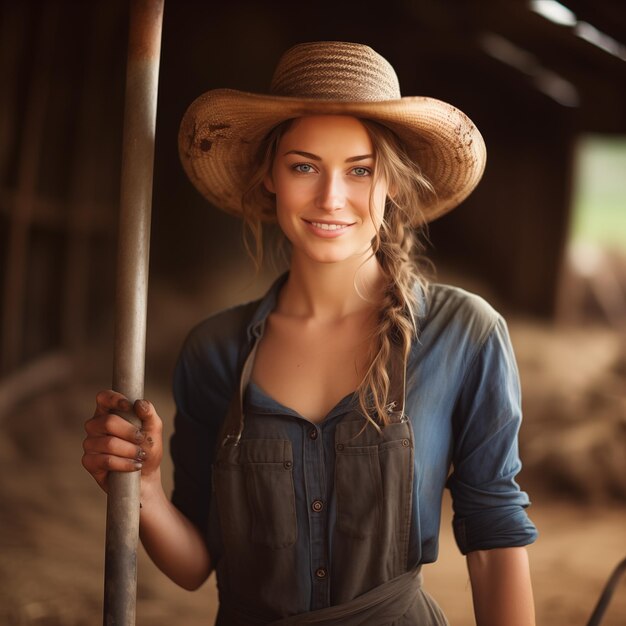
141 454
143 406
138 465
139 436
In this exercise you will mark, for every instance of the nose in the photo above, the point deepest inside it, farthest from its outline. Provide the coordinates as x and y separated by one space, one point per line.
332 192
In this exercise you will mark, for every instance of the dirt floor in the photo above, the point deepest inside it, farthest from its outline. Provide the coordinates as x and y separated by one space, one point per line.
52 513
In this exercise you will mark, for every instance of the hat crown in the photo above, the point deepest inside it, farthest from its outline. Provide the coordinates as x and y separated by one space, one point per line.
335 70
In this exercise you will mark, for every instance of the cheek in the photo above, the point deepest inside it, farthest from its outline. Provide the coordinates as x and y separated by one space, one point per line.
285 203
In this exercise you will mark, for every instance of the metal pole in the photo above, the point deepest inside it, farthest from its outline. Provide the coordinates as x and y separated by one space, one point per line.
144 45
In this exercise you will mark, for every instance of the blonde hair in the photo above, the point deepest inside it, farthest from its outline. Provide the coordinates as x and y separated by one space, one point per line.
258 204
395 246
400 255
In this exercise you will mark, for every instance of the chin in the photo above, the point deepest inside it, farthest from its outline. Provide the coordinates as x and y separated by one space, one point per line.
334 256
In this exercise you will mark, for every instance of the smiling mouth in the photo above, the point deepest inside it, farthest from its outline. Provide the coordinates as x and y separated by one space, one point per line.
329 226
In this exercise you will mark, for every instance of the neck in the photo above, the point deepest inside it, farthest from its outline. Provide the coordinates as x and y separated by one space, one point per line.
330 291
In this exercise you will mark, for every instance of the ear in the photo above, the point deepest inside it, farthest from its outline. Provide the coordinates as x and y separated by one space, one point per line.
268 183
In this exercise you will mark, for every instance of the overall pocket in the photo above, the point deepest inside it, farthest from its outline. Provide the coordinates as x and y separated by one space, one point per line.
359 490
373 476
253 484
268 471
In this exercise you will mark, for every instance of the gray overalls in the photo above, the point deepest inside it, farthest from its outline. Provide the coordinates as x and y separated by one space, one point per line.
254 498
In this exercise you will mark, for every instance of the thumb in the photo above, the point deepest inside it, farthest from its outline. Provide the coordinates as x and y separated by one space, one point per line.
150 420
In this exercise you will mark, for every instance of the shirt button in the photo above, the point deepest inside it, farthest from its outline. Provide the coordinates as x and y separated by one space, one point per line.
340 447
313 433
405 443
317 505
287 464
321 573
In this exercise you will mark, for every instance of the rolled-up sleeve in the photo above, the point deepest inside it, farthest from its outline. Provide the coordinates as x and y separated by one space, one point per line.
489 507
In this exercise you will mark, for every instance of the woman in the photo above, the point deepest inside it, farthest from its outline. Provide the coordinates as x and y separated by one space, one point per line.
317 427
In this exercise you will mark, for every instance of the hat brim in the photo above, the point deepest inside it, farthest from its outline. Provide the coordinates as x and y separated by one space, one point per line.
221 131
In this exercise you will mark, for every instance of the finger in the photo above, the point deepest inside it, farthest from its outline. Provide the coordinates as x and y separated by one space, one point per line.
99 465
109 400
112 424
114 446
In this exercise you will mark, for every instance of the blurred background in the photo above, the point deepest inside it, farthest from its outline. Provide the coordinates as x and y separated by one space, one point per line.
543 238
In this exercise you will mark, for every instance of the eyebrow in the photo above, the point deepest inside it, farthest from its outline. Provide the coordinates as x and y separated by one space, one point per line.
314 157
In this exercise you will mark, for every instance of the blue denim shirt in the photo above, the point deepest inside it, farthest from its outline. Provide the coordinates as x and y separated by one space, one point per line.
463 400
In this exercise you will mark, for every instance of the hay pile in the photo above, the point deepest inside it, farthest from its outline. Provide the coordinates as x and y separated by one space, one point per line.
573 441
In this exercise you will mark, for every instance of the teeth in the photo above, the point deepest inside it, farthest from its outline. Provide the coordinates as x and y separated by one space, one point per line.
329 226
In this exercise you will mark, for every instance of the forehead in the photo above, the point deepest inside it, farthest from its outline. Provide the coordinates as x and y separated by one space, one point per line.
340 133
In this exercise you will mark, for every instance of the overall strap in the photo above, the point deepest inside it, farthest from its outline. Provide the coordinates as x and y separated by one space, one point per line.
234 423
397 391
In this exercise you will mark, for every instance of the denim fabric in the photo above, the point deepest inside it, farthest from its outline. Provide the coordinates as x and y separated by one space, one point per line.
463 401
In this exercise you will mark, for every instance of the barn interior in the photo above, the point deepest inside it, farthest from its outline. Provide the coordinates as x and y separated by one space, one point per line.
539 79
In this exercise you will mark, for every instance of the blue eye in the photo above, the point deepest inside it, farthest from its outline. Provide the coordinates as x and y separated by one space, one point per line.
361 171
303 168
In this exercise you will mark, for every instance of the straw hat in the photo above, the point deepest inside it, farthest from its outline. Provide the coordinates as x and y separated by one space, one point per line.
221 130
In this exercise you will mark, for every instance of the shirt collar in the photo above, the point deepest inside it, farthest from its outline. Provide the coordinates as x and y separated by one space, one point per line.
267 304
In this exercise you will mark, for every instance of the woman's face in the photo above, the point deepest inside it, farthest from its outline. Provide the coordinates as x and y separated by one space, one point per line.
322 177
